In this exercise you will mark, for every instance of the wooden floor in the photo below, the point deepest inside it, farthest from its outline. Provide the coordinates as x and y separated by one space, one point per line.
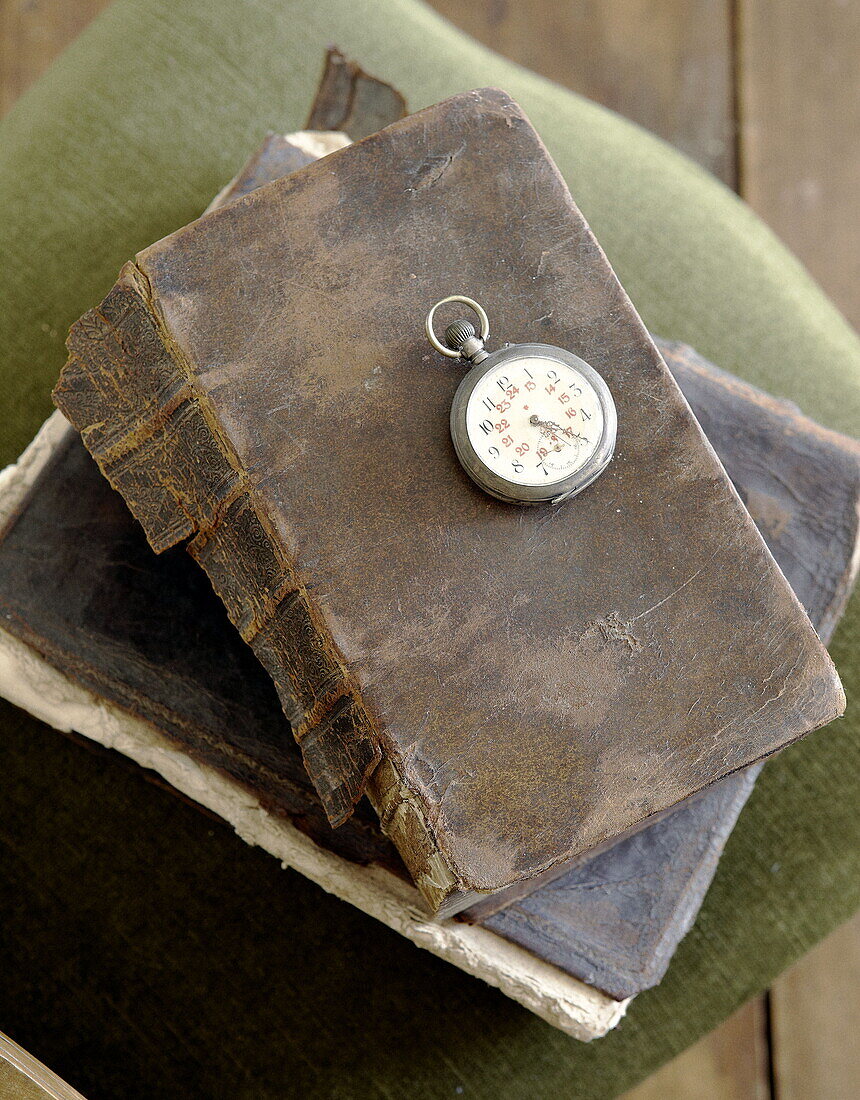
766 95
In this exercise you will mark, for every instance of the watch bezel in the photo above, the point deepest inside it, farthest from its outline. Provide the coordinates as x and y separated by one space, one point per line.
510 491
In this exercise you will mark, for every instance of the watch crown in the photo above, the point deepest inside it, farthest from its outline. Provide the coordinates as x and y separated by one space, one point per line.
462 338
458 333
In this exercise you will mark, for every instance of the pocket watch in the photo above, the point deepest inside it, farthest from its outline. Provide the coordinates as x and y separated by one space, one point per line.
530 423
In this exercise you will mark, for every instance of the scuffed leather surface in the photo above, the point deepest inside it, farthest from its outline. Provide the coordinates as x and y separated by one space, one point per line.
606 920
634 665
352 101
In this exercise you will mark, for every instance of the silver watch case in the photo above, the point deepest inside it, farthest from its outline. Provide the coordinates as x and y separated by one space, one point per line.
556 491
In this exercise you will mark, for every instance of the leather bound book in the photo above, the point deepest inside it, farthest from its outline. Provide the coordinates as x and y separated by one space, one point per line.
511 687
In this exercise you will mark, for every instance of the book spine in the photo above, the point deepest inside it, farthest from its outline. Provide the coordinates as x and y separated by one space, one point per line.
157 441
156 438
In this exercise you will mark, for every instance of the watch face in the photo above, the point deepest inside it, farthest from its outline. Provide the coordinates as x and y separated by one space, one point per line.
535 422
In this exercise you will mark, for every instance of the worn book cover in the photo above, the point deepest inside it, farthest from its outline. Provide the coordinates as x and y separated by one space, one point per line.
510 687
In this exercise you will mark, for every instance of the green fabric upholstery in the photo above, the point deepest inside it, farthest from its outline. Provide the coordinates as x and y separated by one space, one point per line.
147 951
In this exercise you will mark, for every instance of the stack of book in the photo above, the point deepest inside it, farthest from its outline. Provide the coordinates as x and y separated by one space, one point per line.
518 736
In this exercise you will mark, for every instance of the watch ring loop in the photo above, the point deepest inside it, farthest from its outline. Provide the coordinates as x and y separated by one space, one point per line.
473 305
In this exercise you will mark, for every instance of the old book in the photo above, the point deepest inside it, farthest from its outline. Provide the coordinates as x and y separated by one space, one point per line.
617 917
259 355
614 919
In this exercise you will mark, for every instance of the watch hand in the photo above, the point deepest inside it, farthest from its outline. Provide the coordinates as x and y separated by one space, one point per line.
548 427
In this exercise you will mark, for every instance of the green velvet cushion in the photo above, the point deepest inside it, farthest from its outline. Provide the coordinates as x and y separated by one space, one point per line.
146 950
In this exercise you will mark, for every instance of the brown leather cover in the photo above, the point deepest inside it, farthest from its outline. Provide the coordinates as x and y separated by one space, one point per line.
512 687
352 101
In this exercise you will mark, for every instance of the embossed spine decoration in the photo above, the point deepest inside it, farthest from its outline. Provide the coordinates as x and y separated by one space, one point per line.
157 440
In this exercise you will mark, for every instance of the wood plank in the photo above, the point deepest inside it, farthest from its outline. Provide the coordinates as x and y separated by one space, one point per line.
814 1008
32 33
666 64
729 1064
799 105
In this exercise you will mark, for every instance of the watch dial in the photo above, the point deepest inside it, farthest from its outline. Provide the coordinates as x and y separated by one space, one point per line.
534 420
